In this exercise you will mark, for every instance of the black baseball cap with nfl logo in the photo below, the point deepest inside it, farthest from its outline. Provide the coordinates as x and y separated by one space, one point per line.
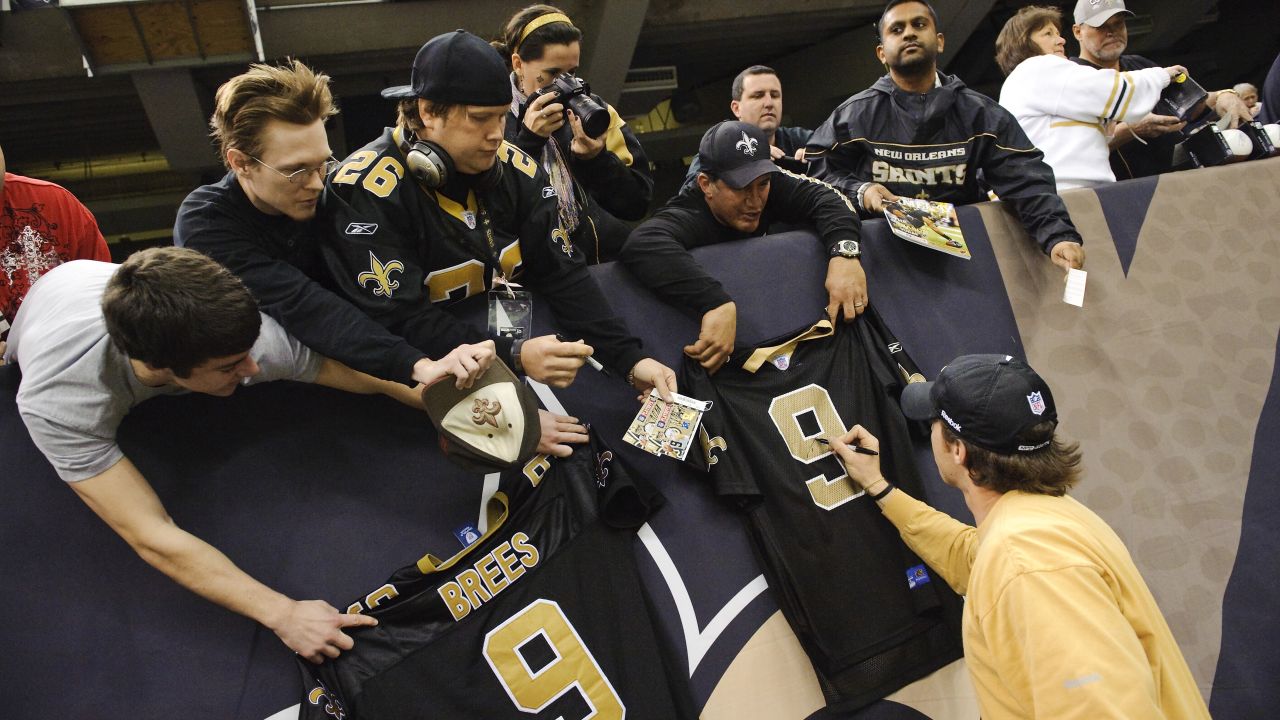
735 152
488 427
992 401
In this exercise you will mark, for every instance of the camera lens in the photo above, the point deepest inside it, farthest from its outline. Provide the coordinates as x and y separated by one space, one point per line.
594 117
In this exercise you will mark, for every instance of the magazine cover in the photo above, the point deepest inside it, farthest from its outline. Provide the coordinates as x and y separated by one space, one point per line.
928 223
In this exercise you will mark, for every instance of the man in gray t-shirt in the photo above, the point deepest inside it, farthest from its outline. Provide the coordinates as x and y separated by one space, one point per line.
94 339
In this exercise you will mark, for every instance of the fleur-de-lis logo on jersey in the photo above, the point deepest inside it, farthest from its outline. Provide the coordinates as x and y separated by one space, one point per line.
747 144
603 460
332 707
562 241
381 275
485 411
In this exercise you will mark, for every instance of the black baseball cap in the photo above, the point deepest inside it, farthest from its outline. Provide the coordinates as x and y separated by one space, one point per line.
736 152
457 68
488 427
989 400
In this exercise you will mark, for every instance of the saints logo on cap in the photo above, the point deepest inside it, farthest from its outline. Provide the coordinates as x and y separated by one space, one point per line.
485 411
489 426
747 145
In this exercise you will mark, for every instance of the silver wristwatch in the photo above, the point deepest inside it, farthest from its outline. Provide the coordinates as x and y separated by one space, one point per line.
846 249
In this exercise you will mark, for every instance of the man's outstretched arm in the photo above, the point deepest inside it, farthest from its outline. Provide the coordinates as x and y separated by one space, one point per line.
124 499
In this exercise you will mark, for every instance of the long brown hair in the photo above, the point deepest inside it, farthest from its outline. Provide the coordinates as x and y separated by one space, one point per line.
1051 470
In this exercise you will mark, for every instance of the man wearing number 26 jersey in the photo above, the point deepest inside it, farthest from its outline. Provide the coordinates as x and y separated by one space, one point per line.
543 617
871 616
440 207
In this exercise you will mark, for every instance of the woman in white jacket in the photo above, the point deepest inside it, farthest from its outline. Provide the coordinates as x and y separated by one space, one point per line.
1069 110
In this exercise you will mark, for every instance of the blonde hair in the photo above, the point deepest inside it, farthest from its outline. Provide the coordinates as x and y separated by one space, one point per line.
243 105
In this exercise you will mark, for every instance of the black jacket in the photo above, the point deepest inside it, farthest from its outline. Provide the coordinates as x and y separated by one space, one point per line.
403 253
934 146
658 250
276 258
614 186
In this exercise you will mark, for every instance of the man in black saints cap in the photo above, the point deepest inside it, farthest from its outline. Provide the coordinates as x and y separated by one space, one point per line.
440 208
739 193
1058 621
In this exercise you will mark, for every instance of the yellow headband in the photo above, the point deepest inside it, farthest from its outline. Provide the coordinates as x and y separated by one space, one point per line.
538 22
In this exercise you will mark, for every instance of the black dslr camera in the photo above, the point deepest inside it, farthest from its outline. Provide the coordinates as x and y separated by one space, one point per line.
575 93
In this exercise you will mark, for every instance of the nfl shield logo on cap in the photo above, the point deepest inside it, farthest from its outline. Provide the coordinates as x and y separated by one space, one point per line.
1036 400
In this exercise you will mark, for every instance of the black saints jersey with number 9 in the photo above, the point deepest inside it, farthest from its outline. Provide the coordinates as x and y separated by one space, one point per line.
542 618
870 615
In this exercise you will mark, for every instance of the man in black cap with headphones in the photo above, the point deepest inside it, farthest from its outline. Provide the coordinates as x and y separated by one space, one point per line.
739 193
1058 621
441 208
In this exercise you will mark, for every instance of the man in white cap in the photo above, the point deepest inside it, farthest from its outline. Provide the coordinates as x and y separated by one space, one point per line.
1058 621
1103 34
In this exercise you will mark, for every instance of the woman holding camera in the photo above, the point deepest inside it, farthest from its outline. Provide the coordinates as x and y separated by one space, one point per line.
1068 110
597 167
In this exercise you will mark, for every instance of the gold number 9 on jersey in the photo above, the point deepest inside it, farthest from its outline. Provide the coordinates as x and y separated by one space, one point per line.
785 411
573 667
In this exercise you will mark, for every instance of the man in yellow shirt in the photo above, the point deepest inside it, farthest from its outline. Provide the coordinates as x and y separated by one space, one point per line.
1058 622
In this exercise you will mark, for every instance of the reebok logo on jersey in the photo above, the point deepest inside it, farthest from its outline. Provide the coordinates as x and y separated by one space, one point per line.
548 191
489 575
362 228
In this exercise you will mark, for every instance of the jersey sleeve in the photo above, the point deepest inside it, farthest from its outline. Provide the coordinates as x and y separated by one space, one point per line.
375 254
657 253
716 453
322 320
559 274
1016 170
618 177
1060 635
625 500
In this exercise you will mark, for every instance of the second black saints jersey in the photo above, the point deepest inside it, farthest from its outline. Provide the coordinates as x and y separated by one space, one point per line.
542 617
403 252
871 616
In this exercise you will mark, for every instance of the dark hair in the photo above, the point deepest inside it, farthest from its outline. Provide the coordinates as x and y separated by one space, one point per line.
555 33
1014 44
895 3
176 308
408 117
243 105
1051 470
741 78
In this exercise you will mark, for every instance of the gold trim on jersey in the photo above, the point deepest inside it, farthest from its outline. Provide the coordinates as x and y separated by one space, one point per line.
1079 123
456 209
817 331
614 141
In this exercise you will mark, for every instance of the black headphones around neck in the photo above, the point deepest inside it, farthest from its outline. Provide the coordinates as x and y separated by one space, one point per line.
429 164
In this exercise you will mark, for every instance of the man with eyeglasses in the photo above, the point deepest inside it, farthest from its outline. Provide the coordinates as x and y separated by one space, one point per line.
258 221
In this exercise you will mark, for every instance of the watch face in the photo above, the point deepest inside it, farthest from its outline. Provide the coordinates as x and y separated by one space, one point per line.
847 248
